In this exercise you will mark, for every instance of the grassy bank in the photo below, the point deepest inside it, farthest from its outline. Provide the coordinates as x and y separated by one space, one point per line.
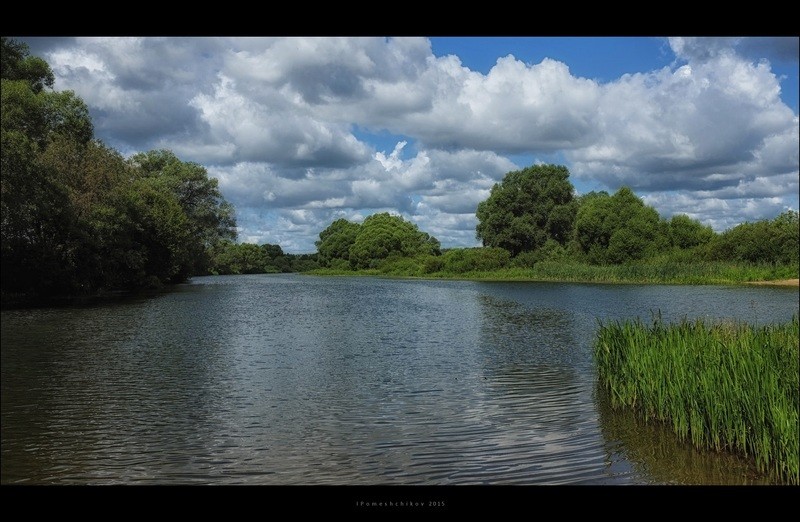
726 386
664 272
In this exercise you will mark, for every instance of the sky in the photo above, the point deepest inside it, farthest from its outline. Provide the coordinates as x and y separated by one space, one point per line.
302 131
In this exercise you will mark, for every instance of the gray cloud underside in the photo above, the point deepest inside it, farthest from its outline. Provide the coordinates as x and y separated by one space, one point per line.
274 119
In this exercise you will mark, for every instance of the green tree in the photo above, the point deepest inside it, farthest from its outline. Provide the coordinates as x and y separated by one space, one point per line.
335 241
685 232
210 217
787 237
764 241
618 228
272 251
384 235
17 64
76 216
527 208
38 222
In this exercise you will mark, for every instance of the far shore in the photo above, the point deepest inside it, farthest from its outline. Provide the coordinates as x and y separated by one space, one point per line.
777 282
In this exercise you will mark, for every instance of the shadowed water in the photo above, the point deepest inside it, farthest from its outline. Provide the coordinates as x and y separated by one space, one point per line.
287 379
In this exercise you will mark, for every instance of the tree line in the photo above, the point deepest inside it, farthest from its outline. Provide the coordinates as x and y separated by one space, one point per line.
229 258
533 215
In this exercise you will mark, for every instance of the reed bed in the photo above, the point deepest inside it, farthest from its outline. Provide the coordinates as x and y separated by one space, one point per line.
725 386
651 272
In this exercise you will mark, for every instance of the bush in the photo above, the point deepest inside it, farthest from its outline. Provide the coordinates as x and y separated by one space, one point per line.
402 266
431 264
461 260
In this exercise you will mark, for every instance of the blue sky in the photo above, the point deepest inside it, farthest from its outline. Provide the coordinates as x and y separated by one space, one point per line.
302 131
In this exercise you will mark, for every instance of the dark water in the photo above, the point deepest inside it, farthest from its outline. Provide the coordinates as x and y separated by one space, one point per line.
307 380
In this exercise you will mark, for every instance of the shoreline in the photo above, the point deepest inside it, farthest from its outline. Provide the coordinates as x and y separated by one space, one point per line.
776 282
788 283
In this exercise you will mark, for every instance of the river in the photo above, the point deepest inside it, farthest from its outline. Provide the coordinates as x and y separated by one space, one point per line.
292 379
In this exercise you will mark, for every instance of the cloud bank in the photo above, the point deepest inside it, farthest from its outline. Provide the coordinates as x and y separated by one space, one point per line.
286 125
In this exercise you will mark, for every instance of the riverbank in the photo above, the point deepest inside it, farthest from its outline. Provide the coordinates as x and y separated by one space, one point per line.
779 282
699 273
722 386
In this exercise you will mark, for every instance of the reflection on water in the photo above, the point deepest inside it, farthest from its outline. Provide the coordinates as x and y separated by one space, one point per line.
652 451
304 380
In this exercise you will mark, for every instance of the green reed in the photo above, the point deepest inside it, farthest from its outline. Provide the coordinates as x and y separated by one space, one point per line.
656 271
724 386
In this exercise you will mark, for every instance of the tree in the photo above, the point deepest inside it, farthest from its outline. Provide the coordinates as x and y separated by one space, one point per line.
38 221
685 232
210 217
16 64
383 235
618 228
272 251
76 216
336 240
462 260
527 208
787 237
765 241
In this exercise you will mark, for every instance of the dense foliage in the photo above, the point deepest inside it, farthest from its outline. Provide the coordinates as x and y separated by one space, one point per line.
770 241
619 228
335 242
77 217
527 208
380 237
534 228
228 257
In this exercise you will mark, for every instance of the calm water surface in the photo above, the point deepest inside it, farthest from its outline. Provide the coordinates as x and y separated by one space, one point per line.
288 379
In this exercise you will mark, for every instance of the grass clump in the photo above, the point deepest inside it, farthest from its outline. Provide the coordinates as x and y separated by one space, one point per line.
724 386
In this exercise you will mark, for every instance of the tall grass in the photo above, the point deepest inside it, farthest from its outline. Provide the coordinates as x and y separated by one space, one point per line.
724 386
658 271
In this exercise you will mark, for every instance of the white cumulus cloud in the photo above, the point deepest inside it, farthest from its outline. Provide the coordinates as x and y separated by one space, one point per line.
284 123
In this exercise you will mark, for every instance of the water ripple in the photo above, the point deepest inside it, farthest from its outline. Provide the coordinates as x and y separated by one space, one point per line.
292 380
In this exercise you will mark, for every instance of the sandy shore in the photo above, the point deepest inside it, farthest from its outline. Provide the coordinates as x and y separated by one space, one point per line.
779 282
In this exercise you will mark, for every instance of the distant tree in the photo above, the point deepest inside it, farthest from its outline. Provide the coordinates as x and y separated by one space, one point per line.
335 241
272 251
619 228
384 235
787 236
303 262
765 241
462 260
685 232
527 208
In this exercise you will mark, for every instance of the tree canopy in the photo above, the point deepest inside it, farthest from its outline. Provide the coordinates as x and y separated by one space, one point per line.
335 241
618 228
380 237
773 241
76 216
527 208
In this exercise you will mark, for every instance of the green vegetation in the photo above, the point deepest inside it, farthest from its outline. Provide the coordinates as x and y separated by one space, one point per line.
655 271
621 228
534 229
78 218
228 257
528 208
380 238
725 386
